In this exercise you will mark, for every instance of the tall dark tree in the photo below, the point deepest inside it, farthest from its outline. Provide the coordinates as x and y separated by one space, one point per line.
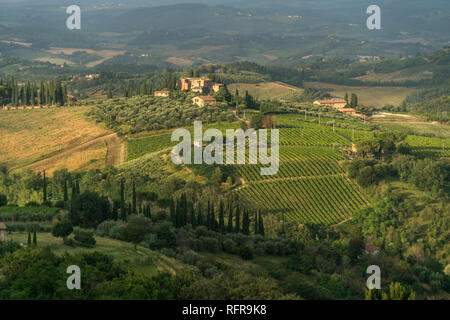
256 224
66 194
237 228
122 194
261 225
115 213
34 238
221 218
192 218
246 224
134 199
200 221
74 190
208 217
173 215
230 219
123 212
45 189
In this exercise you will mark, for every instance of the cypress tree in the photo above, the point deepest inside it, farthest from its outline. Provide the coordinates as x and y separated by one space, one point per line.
192 219
185 209
173 216
45 189
230 219
200 221
238 220
122 194
246 224
208 217
34 239
123 212
256 224
261 225
74 191
177 214
29 238
221 218
77 186
115 214
214 223
66 195
134 198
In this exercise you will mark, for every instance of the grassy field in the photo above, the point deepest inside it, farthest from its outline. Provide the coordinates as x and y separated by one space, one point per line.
413 74
142 259
416 127
266 90
52 139
368 96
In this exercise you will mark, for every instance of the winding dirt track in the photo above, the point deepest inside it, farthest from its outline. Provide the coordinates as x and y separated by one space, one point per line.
114 155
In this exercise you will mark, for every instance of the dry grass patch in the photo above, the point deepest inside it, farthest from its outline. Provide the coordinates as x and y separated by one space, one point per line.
266 90
52 138
368 96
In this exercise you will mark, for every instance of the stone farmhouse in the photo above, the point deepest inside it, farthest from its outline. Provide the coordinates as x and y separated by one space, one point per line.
338 104
334 103
199 85
202 101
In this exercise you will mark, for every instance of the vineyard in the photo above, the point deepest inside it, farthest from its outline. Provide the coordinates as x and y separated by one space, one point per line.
311 137
310 186
425 146
321 200
139 147
298 161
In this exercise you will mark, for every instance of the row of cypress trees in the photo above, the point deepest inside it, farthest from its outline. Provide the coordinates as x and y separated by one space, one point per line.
32 94
183 212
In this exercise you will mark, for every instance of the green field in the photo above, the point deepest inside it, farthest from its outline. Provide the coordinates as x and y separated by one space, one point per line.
142 259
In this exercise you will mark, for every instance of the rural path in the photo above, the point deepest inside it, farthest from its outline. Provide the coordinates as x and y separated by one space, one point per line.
114 154
115 151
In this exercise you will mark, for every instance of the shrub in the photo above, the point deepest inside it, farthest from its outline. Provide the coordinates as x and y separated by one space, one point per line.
62 229
246 252
210 244
85 237
229 246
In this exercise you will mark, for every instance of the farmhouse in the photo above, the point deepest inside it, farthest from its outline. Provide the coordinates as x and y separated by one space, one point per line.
3 231
162 93
202 101
199 85
334 103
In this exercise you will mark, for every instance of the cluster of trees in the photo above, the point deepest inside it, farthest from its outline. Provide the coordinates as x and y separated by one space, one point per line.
353 102
426 174
225 73
183 212
146 87
32 93
382 144
152 113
